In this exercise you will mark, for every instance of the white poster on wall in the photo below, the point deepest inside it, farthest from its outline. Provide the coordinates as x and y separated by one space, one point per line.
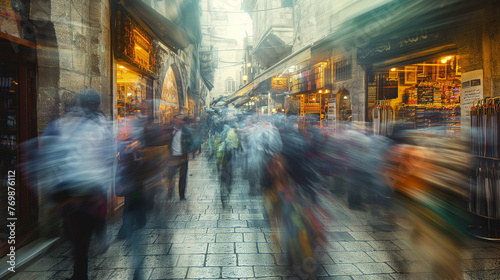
332 109
472 89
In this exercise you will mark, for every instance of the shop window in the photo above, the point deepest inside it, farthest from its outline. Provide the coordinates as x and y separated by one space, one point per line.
343 69
131 90
345 106
230 85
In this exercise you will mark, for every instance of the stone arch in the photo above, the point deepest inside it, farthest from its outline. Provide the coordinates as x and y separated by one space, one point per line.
344 101
180 89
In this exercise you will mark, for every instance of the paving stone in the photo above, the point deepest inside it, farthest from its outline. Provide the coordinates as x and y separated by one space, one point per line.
269 248
385 256
170 238
383 245
169 273
361 236
204 272
204 238
356 246
350 257
247 229
373 277
232 223
254 237
221 230
250 247
378 235
374 268
191 260
262 271
42 275
258 216
229 216
339 236
44 263
221 260
481 253
335 278
201 224
208 217
255 259
188 248
337 229
160 261
151 249
342 269
258 223
128 274
334 247
183 218
221 247
237 272
229 237
117 262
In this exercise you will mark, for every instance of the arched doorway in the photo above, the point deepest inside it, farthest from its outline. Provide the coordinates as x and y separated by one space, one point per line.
345 105
172 97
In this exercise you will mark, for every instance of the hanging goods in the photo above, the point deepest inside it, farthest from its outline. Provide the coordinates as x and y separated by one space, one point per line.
382 117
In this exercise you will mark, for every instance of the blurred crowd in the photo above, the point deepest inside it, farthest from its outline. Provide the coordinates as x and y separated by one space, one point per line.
301 170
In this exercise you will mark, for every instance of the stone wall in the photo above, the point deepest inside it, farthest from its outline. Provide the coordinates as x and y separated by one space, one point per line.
73 52
355 85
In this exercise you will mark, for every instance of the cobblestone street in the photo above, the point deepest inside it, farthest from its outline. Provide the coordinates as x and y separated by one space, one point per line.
197 238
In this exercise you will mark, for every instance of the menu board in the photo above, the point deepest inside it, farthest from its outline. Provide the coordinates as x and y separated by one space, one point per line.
472 89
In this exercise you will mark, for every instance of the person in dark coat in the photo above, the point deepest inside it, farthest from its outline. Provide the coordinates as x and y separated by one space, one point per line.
180 141
79 144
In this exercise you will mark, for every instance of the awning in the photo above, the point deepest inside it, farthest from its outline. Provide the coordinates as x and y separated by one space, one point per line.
207 83
240 92
167 32
280 67
242 101
398 18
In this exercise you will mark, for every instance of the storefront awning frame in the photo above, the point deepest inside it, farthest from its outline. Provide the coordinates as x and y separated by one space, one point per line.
240 92
280 67
165 30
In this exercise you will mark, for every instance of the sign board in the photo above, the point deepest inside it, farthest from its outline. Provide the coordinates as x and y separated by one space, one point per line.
279 84
472 89
332 108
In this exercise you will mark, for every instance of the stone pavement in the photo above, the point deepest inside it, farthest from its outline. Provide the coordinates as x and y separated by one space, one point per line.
197 239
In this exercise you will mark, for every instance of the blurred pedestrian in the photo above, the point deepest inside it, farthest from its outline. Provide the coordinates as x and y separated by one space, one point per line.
76 152
180 140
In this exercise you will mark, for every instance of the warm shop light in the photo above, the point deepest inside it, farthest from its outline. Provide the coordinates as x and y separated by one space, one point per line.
444 60
138 48
448 57
121 67
326 91
345 96
393 69
320 91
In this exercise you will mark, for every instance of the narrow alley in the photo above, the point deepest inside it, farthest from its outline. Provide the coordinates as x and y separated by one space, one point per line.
197 238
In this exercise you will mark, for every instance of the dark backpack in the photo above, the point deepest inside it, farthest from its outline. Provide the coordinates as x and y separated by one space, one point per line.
127 173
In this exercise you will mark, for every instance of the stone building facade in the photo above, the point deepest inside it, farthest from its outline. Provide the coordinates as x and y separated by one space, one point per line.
58 48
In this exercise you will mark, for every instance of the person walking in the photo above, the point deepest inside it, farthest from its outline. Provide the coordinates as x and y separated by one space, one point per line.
73 163
180 141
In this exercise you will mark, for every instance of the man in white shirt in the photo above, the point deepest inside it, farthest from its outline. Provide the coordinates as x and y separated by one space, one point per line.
181 143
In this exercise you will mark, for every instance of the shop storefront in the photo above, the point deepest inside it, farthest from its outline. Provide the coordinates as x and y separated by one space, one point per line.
421 95
136 64
308 88
414 78
18 119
